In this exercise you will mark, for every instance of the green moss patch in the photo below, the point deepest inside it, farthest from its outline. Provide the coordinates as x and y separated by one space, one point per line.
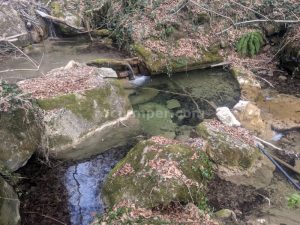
149 186
83 106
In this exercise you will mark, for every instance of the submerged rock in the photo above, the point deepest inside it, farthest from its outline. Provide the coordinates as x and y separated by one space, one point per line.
9 205
20 128
84 113
234 152
159 171
173 104
156 119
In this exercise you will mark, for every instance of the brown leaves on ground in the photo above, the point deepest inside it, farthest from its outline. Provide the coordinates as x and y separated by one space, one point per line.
62 81
125 170
175 213
238 133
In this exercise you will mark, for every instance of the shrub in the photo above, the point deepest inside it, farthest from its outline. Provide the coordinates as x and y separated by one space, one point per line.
250 44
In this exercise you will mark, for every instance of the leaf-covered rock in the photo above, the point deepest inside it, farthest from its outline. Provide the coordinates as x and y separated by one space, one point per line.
233 150
159 171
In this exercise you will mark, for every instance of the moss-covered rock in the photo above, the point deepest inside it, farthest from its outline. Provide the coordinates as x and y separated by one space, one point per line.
157 62
159 171
20 128
117 65
233 150
9 204
90 115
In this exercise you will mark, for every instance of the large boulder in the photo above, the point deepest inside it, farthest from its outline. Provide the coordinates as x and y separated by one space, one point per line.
85 112
233 151
77 15
9 204
159 171
20 128
158 62
16 22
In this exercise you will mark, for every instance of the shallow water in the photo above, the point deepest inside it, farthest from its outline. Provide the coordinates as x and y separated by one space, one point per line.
51 55
171 106
83 182
68 192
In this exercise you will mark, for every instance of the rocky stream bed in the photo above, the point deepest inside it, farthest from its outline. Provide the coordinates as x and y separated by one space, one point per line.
121 112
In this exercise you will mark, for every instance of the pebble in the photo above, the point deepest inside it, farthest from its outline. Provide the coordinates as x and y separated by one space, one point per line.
283 78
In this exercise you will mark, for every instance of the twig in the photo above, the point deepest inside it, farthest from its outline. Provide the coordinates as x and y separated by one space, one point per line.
30 59
275 147
250 9
268 82
269 201
46 216
281 49
209 10
257 21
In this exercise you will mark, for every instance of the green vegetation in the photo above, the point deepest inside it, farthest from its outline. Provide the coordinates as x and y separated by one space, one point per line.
81 106
294 200
250 44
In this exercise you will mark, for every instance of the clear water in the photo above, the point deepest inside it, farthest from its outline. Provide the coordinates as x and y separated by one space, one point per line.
56 54
83 182
171 106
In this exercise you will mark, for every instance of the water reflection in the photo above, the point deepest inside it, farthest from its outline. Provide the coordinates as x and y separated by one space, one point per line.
84 181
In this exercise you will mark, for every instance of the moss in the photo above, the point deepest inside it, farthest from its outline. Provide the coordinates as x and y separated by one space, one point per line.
84 106
117 65
159 63
144 180
202 131
102 33
57 10
236 72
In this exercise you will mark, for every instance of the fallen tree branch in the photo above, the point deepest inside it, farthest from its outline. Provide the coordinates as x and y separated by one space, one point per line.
48 217
257 21
12 38
295 154
212 11
268 82
248 8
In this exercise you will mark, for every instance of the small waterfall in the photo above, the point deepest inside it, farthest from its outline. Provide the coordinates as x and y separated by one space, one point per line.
52 33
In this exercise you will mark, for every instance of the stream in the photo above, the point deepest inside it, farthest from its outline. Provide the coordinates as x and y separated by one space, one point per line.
76 186
69 192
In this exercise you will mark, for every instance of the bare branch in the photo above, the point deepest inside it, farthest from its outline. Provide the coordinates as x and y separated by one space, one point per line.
250 9
209 10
